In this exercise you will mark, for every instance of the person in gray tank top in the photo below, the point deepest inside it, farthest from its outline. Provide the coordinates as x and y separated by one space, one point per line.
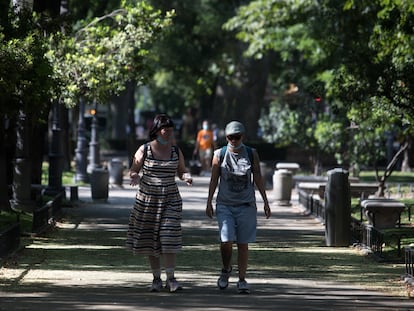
237 167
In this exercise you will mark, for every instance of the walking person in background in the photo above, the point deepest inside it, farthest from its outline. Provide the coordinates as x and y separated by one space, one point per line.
204 146
155 221
236 209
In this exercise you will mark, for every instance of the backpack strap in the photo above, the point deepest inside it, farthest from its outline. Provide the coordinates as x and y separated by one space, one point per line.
250 153
222 153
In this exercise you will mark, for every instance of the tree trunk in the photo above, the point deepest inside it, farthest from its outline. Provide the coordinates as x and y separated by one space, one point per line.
38 132
120 112
66 135
389 169
22 166
408 161
4 164
243 102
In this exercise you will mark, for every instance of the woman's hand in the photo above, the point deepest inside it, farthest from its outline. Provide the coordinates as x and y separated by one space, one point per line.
134 179
188 179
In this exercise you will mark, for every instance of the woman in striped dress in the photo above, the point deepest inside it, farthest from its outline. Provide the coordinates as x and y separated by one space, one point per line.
155 222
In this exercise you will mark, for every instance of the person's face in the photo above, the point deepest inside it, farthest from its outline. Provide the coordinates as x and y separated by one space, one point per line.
235 139
166 133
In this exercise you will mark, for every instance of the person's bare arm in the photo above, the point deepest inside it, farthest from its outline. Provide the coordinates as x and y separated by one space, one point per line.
136 166
215 174
182 170
259 182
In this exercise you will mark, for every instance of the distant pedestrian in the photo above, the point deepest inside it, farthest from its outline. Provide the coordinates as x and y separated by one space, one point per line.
204 147
236 209
155 221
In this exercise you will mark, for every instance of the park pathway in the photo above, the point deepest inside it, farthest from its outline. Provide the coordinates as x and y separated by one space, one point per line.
82 265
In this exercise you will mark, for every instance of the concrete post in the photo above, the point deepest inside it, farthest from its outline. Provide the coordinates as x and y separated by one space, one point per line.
337 208
282 186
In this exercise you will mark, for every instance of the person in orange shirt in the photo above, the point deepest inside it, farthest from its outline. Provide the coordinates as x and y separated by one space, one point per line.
204 147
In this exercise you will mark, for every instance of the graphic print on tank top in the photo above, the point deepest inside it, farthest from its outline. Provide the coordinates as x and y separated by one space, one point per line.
238 174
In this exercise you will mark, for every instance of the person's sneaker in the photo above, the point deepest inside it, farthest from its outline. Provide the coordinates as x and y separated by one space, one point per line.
223 280
156 285
173 285
243 287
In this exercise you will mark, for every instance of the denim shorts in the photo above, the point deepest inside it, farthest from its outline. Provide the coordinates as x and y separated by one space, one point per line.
237 223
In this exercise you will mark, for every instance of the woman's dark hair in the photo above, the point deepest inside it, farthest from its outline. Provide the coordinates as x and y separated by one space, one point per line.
160 121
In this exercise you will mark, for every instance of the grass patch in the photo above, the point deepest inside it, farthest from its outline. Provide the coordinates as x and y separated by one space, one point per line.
68 177
396 177
9 218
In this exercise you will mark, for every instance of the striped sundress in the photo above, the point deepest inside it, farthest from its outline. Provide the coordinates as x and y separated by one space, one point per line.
155 220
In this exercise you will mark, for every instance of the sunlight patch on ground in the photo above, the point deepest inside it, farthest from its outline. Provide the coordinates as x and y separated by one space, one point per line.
79 277
317 250
60 246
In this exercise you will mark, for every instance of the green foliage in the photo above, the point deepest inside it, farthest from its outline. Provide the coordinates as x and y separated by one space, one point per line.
98 59
361 52
193 55
279 26
280 125
26 76
330 136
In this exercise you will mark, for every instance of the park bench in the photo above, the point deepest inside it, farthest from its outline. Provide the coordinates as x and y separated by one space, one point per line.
383 213
313 188
358 190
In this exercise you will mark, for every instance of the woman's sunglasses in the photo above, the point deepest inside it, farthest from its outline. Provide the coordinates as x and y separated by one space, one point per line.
234 137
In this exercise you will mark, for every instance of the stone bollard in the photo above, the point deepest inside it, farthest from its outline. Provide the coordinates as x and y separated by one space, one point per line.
99 184
282 186
337 208
292 167
116 172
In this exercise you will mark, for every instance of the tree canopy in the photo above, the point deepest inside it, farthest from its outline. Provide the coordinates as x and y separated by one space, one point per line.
26 77
96 60
356 55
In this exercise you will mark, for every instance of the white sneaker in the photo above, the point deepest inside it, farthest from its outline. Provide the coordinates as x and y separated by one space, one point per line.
173 285
243 287
223 280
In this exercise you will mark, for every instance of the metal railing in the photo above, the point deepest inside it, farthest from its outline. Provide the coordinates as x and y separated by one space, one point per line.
313 204
409 261
367 235
409 267
364 234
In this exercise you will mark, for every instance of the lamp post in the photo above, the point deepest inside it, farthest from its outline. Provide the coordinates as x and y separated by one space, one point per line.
81 147
99 176
55 155
94 157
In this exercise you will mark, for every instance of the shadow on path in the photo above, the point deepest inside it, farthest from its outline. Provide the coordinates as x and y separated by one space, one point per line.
84 266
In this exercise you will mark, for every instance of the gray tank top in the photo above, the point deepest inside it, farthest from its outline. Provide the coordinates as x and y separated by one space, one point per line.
236 184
